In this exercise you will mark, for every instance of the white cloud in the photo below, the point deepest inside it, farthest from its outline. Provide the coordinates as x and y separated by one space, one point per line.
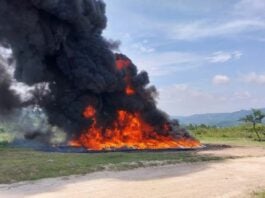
207 29
237 54
220 80
254 78
165 63
182 99
142 47
211 19
221 56
250 8
242 95
246 16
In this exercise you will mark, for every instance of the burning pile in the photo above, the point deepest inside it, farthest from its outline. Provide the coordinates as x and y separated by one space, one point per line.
129 130
99 98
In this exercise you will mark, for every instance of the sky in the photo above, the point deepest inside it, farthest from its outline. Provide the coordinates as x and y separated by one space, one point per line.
203 56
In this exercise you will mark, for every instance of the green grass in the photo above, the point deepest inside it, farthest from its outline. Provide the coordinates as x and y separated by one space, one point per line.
232 141
21 164
239 135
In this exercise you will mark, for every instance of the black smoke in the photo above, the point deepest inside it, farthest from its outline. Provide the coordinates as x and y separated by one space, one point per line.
9 99
59 43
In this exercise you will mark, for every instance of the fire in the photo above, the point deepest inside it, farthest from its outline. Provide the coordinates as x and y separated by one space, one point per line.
129 91
121 63
124 64
128 131
89 112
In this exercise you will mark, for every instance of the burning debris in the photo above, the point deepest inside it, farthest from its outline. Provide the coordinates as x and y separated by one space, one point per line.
132 127
129 131
99 98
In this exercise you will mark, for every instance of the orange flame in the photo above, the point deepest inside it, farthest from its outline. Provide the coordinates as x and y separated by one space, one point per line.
89 112
124 64
121 64
129 91
128 131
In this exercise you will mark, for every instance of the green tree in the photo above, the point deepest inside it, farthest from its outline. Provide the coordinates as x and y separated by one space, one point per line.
255 118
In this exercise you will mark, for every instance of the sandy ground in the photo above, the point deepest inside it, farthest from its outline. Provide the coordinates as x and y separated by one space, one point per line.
231 178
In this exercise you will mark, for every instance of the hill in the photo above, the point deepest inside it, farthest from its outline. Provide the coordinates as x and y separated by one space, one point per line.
217 119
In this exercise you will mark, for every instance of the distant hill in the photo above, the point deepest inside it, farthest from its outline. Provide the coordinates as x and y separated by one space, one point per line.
217 119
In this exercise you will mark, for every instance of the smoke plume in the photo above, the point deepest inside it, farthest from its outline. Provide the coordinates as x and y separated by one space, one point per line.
9 99
59 43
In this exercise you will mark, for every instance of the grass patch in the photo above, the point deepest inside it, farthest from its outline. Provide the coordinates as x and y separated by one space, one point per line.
25 164
260 194
21 164
238 135
232 141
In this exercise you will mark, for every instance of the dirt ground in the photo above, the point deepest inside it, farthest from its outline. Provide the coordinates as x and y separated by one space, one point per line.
230 178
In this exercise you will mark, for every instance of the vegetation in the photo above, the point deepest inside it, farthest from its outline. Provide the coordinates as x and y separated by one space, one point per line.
24 164
245 134
255 118
5 137
238 135
20 164
259 194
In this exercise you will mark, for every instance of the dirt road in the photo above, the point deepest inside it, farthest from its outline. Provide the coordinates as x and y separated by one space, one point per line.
230 178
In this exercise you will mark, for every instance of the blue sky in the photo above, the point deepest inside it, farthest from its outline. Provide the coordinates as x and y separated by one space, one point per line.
203 56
